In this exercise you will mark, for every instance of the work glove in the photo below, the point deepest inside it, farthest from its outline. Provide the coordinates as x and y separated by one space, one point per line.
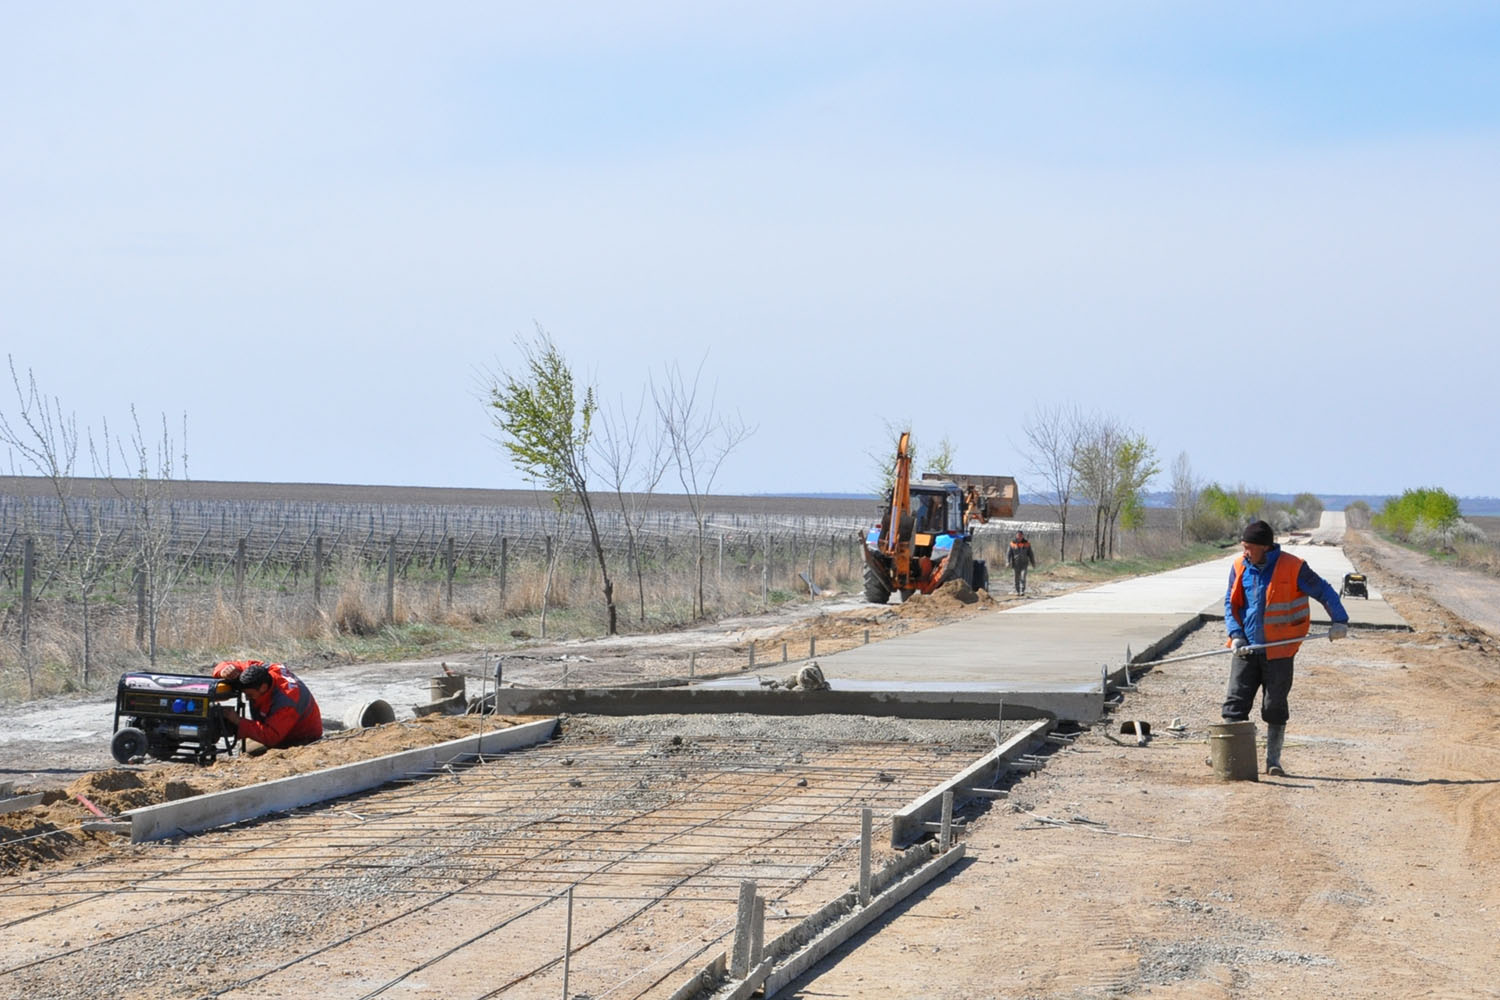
1338 630
1241 645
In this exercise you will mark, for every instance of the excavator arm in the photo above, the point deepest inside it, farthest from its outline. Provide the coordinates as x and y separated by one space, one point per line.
895 541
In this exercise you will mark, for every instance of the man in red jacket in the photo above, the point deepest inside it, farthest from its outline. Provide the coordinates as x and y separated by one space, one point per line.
283 712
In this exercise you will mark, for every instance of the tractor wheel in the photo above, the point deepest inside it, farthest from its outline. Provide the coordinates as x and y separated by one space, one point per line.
128 744
876 591
981 575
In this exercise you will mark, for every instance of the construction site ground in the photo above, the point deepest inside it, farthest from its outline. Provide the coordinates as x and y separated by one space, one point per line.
1368 871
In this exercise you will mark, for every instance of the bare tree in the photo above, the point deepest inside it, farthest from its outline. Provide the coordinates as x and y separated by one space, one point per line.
1113 465
545 427
882 462
700 439
941 464
1053 434
634 456
1184 493
155 467
48 442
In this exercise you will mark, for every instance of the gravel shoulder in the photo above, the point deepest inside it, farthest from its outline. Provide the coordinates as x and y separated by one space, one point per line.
1369 871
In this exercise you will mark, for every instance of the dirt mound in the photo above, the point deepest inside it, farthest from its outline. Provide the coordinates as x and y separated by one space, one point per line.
52 830
953 599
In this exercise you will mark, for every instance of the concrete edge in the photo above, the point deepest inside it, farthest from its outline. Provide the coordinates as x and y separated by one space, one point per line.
908 825
789 970
203 812
1080 706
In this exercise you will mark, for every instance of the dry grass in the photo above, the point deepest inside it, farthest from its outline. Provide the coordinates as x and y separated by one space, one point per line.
206 623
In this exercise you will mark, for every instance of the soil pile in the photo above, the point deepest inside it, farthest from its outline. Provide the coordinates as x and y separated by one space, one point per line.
53 830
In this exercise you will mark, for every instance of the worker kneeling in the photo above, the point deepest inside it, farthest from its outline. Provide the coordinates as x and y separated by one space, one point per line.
283 712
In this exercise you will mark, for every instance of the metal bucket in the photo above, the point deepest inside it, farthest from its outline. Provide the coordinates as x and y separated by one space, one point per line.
445 686
371 713
1231 751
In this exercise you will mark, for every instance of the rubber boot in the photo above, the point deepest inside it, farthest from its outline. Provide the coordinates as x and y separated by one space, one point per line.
1275 737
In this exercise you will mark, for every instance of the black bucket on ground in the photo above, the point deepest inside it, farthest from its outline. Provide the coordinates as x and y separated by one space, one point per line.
445 686
1231 751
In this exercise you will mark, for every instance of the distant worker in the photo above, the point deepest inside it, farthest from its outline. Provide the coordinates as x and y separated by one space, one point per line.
1267 602
1019 558
283 712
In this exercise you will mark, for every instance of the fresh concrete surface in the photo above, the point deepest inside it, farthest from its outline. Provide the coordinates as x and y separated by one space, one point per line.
203 812
1046 653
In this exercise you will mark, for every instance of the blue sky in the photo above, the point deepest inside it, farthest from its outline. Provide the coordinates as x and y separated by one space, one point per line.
1262 236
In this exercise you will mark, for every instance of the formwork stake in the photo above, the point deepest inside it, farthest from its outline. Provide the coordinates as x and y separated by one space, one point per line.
757 931
692 663
864 856
752 656
945 838
867 637
739 961
568 944
812 647
783 652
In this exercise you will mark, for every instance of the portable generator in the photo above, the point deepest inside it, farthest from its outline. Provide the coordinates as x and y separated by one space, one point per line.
173 717
1354 586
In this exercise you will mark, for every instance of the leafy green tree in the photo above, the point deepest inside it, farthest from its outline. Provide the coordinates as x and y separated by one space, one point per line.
545 427
1431 508
883 461
942 463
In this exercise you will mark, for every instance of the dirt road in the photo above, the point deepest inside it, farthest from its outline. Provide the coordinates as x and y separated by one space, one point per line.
1371 870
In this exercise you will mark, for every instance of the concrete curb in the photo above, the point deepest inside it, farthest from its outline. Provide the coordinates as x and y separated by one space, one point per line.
203 812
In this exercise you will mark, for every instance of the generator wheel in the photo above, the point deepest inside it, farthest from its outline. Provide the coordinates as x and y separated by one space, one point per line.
128 744
876 592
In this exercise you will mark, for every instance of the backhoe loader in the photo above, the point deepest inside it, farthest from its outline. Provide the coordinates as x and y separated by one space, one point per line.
923 539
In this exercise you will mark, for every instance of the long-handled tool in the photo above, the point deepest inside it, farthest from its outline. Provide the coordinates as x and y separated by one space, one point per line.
1231 649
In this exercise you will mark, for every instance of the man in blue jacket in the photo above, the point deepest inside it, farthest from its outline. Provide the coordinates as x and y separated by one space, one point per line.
1266 603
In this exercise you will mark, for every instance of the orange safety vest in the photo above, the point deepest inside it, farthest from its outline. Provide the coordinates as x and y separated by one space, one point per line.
1286 614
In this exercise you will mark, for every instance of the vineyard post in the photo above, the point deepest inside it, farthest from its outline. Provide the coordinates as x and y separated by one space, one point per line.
765 571
28 570
504 565
390 581
140 603
450 567
239 575
318 572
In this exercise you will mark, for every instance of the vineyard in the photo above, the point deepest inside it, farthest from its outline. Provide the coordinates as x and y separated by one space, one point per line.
115 582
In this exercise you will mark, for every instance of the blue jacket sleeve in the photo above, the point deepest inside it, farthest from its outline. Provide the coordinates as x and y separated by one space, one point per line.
1231 624
1320 590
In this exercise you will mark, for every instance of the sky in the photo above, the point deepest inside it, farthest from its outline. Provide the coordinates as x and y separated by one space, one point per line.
1262 236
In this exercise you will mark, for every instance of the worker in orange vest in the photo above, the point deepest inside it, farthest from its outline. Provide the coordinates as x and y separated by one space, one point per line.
1267 602
1018 557
283 712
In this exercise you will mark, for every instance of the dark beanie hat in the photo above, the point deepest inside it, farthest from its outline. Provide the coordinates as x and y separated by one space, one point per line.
1258 533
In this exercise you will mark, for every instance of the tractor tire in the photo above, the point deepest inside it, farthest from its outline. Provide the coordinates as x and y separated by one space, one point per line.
981 575
876 592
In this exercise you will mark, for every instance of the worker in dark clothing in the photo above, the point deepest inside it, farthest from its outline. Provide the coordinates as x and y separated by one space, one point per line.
1267 603
283 712
1019 557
